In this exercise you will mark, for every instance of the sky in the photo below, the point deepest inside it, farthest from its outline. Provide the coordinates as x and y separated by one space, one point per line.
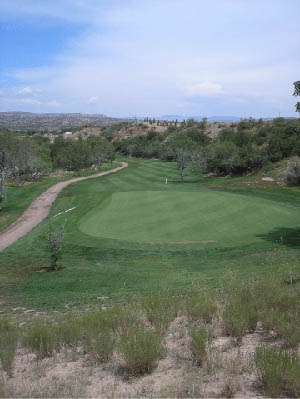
150 57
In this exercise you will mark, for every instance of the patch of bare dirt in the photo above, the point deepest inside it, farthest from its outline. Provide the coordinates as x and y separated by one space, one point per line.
228 372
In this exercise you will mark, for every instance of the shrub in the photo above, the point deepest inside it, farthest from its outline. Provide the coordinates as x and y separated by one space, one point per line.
41 338
292 174
69 331
279 371
100 344
160 311
240 314
100 320
199 344
8 345
55 239
286 325
140 349
98 332
279 309
128 319
239 318
201 305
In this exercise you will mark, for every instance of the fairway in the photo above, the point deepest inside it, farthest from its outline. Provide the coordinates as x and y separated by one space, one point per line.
204 217
130 234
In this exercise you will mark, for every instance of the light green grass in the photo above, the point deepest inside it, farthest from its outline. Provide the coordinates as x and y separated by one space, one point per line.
206 217
123 261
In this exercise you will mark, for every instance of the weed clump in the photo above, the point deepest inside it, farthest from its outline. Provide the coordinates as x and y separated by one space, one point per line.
201 305
280 311
199 344
240 313
160 311
8 345
100 345
279 371
68 332
41 339
140 348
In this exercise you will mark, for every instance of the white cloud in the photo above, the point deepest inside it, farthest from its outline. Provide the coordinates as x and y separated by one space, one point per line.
53 103
30 101
93 100
154 57
28 90
204 89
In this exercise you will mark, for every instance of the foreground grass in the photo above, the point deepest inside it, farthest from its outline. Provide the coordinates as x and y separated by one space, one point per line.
101 269
279 371
128 340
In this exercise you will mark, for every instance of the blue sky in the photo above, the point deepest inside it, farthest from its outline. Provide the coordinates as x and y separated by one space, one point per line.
150 57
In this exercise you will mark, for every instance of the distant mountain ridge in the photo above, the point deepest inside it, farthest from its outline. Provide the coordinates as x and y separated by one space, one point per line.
223 118
27 121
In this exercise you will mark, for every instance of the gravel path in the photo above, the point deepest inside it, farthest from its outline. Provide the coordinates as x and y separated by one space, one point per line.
40 208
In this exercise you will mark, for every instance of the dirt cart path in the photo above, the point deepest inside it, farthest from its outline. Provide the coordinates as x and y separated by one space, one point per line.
40 208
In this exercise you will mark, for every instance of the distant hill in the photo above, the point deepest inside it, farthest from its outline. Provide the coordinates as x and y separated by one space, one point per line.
27 121
223 118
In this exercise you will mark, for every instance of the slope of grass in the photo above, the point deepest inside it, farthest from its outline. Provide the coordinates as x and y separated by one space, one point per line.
126 263
19 197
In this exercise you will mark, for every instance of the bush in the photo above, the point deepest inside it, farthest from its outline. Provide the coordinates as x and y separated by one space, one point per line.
240 314
279 371
279 309
199 343
160 311
292 174
201 305
239 318
286 324
128 318
100 344
41 338
69 331
8 345
97 331
140 349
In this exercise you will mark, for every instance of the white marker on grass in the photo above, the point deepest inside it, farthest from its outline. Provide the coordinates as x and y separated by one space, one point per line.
68 210
166 180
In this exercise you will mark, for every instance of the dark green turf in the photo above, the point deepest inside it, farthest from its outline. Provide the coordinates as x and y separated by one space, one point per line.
99 265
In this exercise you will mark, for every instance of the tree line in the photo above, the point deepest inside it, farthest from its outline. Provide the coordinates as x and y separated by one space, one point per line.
24 157
236 150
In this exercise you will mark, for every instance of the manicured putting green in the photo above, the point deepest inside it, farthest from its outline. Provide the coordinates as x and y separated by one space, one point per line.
205 217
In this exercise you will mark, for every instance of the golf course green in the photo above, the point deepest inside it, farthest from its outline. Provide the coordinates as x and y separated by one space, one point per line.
130 234
205 217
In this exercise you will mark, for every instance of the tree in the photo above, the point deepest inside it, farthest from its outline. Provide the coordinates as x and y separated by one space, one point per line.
297 93
292 175
182 147
55 240
3 173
